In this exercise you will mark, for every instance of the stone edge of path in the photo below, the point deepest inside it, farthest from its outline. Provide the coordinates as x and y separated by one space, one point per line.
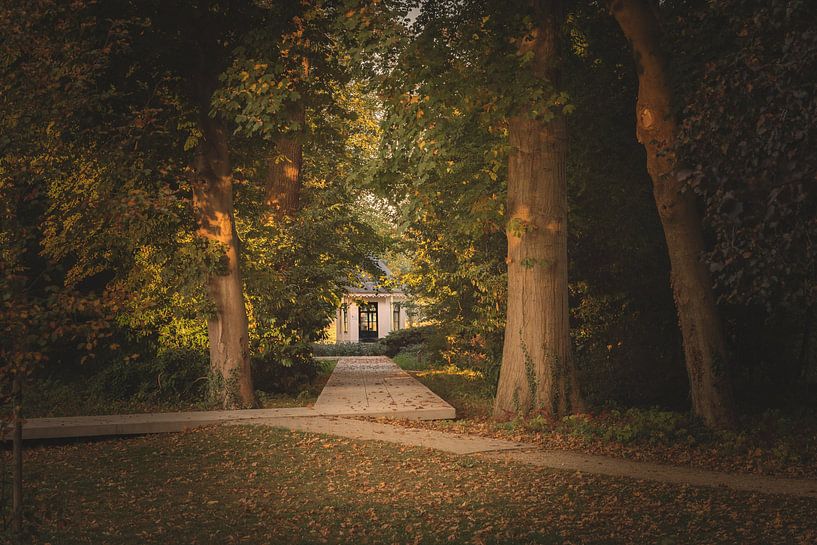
366 430
510 451
138 424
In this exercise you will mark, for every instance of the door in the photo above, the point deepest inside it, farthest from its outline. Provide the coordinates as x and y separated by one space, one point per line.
368 322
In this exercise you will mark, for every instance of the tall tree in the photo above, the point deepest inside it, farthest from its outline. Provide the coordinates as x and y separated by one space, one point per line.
228 326
538 373
656 128
212 185
283 181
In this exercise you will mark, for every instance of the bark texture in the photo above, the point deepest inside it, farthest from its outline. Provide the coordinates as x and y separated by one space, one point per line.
228 327
656 127
537 373
283 185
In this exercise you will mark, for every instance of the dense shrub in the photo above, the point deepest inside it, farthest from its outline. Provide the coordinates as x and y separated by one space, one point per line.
349 349
411 338
650 426
172 375
271 375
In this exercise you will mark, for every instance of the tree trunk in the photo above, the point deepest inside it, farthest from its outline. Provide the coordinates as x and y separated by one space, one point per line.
227 327
656 128
537 373
283 185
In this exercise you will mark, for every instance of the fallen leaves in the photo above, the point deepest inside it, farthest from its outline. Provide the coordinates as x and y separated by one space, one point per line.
196 488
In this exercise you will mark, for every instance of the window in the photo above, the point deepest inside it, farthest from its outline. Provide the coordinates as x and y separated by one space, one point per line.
368 321
395 316
344 314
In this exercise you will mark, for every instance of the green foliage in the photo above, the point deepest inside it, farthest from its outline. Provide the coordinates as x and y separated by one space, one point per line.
408 360
651 426
749 126
96 183
744 77
171 379
427 336
349 349
443 163
273 377
173 375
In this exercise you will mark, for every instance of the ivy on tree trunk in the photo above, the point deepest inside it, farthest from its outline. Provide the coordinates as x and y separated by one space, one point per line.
537 373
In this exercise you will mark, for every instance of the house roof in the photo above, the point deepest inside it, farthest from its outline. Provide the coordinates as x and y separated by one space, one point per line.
369 286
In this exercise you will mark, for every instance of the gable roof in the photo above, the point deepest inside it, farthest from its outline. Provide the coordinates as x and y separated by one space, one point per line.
369 285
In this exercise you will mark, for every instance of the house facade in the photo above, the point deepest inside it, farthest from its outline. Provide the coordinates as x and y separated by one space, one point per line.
367 314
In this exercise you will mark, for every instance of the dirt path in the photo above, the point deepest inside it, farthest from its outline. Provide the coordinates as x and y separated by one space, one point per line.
509 451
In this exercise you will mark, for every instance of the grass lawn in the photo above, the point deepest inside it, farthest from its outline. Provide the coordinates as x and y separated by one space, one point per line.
260 485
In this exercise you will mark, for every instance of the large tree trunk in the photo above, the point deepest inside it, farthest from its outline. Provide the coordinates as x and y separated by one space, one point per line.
227 327
703 338
537 373
283 185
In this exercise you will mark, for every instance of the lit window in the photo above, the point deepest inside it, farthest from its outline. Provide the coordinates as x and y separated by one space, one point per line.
395 316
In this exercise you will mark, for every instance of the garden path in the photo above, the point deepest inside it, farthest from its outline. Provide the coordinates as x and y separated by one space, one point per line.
367 386
528 454
375 386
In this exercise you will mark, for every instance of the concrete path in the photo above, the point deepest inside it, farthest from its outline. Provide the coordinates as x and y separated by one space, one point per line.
370 386
510 451
137 424
378 431
376 386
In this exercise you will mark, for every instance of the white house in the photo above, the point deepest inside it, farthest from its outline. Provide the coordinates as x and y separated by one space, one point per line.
369 312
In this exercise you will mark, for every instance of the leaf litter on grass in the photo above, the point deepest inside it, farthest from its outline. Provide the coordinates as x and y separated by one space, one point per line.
195 487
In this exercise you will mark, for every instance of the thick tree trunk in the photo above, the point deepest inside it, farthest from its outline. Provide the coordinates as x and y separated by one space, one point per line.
537 373
227 327
703 337
283 184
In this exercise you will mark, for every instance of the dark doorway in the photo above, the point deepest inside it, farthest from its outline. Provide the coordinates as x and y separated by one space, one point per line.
368 322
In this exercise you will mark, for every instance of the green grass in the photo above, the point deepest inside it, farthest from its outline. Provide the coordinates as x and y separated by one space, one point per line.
410 362
260 485
464 389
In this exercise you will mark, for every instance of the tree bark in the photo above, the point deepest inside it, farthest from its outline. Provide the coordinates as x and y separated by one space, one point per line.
283 184
656 128
228 326
537 373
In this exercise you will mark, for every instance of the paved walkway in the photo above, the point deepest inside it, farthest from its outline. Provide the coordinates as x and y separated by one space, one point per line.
369 386
510 451
376 386
379 431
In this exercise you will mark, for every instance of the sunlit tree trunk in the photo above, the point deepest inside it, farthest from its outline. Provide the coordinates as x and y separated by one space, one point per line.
228 326
703 338
537 373
283 183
